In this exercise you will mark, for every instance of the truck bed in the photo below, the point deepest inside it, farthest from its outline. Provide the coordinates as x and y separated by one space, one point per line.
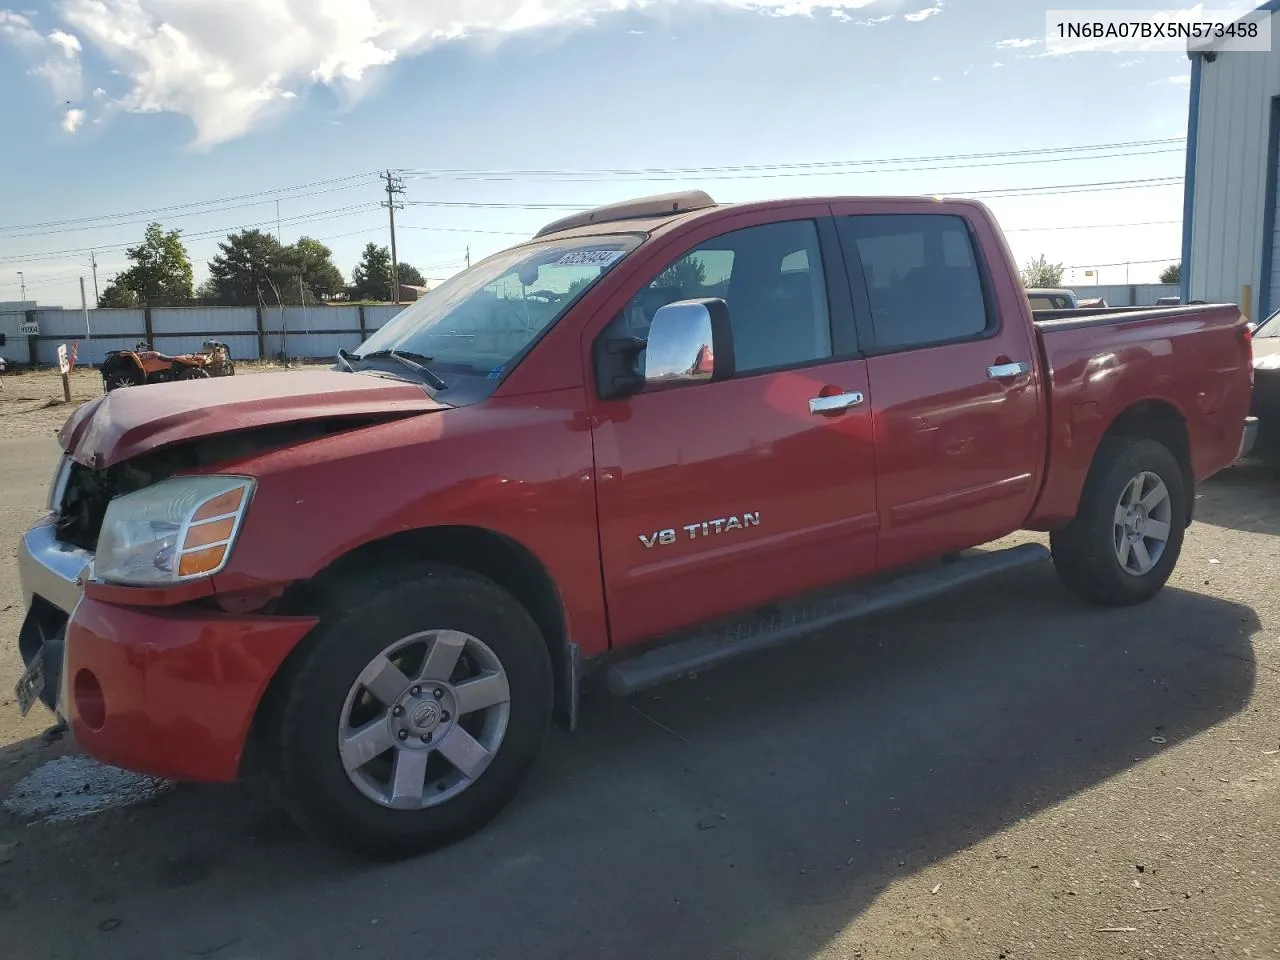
1187 364
1072 318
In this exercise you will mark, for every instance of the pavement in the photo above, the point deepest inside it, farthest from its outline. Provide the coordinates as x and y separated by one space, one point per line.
1005 773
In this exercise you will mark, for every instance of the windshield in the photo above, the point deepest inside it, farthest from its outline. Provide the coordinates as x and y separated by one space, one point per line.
1269 327
482 320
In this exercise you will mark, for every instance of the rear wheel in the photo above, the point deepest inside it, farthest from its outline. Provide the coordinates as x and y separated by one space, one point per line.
1126 538
415 713
192 373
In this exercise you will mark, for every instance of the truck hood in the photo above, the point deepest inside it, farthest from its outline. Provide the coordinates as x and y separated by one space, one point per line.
132 421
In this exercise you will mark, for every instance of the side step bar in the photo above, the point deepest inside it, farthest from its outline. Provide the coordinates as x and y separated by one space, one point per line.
784 622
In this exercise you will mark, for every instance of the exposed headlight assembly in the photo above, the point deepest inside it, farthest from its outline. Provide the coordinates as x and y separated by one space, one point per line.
178 529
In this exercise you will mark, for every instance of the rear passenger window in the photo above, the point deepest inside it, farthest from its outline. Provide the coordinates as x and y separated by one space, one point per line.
921 275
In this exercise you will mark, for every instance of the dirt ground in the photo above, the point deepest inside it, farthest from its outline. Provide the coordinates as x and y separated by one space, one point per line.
1004 774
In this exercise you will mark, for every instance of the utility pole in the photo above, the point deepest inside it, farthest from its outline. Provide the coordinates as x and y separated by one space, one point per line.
279 235
93 261
84 308
22 283
395 188
468 257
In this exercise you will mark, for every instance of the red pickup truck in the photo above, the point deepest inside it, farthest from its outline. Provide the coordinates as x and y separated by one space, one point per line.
658 435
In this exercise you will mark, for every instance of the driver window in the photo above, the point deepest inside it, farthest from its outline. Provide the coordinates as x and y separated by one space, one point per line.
771 278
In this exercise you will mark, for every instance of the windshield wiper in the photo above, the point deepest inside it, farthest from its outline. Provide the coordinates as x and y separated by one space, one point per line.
409 360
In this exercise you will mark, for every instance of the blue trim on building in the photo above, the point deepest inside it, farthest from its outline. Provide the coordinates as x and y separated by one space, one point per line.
1263 307
1189 180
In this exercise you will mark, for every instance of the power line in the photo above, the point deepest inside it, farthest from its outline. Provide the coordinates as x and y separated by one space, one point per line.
751 168
1093 226
203 235
194 203
1042 190
782 174
1123 263
176 216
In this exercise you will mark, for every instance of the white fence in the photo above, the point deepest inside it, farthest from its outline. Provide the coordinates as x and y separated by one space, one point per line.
1128 294
250 333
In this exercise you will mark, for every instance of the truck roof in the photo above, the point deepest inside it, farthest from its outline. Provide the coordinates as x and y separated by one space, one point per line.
646 214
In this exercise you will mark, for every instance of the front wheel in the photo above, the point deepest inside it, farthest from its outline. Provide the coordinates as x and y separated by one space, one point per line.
1127 535
415 714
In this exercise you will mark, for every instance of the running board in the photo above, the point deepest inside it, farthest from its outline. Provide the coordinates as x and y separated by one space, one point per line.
786 621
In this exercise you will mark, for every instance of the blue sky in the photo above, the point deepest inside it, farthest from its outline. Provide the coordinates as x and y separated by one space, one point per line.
109 109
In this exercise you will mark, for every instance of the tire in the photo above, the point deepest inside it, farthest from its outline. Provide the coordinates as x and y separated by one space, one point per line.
320 704
1087 552
120 376
192 373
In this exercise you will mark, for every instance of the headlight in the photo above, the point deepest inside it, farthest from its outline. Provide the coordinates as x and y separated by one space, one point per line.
59 485
177 529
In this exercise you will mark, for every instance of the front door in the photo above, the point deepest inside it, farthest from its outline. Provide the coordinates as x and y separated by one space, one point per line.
960 435
718 497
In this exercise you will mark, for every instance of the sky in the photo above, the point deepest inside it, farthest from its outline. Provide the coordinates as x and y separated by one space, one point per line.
209 116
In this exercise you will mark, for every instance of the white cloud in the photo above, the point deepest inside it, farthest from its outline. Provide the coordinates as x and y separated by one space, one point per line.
99 93
997 64
1181 80
58 53
1018 43
937 79
69 45
924 14
229 67
874 21
72 119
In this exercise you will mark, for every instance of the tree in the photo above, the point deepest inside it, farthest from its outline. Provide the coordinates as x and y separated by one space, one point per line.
161 272
1042 273
117 295
1171 273
687 275
371 278
411 275
242 274
254 265
311 261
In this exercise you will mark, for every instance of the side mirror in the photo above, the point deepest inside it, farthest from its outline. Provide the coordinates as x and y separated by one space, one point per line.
689 342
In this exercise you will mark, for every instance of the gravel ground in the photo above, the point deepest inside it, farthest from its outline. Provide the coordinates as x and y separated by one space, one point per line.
1003 774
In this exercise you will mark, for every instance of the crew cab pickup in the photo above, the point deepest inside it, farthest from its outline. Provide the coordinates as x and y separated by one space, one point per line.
654 437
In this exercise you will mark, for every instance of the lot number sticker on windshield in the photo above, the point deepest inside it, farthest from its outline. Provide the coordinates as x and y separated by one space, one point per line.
589 258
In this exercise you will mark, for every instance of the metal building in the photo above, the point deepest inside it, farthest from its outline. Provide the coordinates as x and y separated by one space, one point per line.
1230 251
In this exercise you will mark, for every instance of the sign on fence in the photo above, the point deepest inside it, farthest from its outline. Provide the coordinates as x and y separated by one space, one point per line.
30 328
64 362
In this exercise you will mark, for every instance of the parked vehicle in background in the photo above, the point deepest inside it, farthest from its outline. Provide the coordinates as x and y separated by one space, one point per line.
1092 303
655 437
1266 385
1052 298
142 365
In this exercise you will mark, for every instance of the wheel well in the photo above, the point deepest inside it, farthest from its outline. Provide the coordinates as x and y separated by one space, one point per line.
499 558
1157 420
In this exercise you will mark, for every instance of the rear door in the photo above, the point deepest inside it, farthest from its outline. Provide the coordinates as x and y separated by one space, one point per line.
959 430
720 497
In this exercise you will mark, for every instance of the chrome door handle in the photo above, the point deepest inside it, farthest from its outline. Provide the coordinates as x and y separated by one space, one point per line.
1003 371
841 401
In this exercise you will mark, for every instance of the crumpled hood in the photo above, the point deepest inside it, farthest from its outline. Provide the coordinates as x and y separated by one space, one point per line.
131 421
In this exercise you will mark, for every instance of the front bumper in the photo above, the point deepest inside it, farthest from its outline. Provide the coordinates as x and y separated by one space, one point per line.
166 691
